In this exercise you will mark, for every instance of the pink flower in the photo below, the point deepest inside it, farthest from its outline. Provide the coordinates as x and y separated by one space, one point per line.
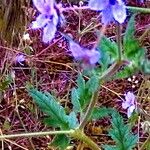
129 103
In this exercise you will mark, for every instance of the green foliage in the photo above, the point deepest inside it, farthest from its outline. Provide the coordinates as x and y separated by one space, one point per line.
92 84
126 72
121 134
132 49
109 52
110 47
145 66
133 53
4 83
130 30
56 114
105 60
75 100
81 95
72 120
101 112
60 141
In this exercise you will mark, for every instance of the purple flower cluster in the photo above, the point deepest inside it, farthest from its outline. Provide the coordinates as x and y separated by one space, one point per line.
47 19
111 9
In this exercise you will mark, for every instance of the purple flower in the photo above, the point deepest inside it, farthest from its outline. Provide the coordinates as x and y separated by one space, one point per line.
89 57
129 103
20 58
110 9
47 19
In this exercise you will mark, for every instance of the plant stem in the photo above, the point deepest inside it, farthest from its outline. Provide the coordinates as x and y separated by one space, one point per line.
138 9
146 32
35 134
78 134
132 8
145 143
119 42
94 98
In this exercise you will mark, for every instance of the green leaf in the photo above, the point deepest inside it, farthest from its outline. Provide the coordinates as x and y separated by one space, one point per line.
121 133
82 92
60 141
92 84
145 66
130 30
132 49
99 113
107 147
48 105
105 60
81 96
81 82
75 100
109 46
126 72
73 121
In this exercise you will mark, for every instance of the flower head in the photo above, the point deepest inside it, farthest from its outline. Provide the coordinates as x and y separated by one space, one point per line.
110 9
89 57
129 103
47 19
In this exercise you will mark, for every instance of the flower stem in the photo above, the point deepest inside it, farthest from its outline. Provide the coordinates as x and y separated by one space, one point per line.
147 31
119 42
35 134
94 98
78 134
138 9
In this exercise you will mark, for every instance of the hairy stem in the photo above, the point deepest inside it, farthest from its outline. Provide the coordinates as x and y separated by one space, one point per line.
146 32
78 134
34 134
138 9
119 42
94 98
145 143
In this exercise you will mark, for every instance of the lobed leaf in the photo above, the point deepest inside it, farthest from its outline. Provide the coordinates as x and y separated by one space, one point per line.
99 113
130 30
75 100
121 133
110 47
48 105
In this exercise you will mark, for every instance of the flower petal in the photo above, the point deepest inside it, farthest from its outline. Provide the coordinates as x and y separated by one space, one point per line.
125 105
107 15
39 4
98 4
119 12
40 22
55 18
44 7
49 32
130 111
76 50
20 58
130 98
93 56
